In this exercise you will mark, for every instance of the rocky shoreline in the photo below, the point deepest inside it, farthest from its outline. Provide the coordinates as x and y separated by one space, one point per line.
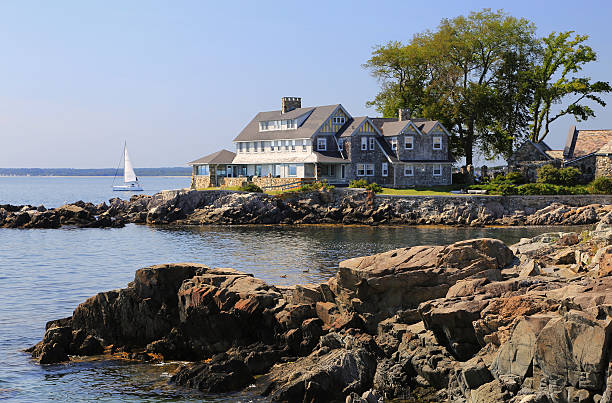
475 321
339 206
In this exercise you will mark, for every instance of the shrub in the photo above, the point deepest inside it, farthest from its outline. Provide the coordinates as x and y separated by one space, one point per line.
548 174
458 178
516 178
569 176
507 189
538 189
250 187
311 187
358 183
601 185
374 187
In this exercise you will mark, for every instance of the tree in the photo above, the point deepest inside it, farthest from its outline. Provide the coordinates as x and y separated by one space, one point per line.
561 57
462 74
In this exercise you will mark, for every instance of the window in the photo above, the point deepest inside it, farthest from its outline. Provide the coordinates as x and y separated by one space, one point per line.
437 143
394 143
261 146
292 145
292 170
364 143
248 147
304 144
321 144
385 169
239 145
360 169
369 168
278 170
437 170
278 145
339 119
277 125
340 144
257 170
371 143
409 143
263 126
408 170
202 170
331 170
286 145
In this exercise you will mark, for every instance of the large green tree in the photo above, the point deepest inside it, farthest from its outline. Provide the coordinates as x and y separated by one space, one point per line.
466 74
554 83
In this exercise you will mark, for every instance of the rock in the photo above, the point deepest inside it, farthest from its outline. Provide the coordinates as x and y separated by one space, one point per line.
570 351
222 374
605 262
490 392
529 269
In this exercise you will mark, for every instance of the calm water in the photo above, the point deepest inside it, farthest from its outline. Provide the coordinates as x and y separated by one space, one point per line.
44 274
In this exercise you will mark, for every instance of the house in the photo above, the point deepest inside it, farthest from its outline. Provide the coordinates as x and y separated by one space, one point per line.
531 156
590 151
326 143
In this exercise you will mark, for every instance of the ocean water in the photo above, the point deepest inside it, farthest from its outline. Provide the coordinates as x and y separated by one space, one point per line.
46 273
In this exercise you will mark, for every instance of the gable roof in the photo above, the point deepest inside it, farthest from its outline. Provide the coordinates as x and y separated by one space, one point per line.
351 127
393 126
220 157
584 142
318 116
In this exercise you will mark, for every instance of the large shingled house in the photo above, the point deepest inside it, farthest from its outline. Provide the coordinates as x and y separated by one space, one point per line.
326 143
588 150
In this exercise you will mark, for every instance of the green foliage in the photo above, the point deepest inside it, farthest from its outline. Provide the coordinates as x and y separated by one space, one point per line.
601 185
548 174
569 176
550 189
315 186
250 187
554 80
363 184
358 183
515 178
565 176
374 187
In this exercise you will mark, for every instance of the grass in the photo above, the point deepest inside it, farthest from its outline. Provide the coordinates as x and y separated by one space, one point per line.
423 191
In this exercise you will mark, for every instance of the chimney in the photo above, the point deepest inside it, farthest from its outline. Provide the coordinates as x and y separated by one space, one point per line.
403 114
291 103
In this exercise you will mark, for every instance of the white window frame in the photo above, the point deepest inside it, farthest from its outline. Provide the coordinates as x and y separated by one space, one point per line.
394 143
239 147
292 146
369 168
385 169
279 144
371 143
289 170
340 144
286 145
339 120
321 144
408 170
247 146
434 169
411 143
361 170
304 145
364 143
437 140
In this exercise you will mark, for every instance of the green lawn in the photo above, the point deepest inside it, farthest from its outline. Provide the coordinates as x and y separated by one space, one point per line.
422 191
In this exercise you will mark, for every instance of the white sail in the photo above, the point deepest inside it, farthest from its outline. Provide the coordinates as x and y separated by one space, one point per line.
128 171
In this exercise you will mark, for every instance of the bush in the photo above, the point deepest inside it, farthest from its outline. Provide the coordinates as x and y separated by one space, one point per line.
601 185
358 183
550 189
516 178
569 176
374 187
315 186
250 187
507 189
548 174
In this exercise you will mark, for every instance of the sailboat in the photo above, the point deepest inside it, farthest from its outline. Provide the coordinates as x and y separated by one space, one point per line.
130 180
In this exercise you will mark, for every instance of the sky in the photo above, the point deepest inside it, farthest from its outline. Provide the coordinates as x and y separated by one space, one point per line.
179 79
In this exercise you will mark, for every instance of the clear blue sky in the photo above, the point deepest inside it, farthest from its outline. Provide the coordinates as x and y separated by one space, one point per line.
179 79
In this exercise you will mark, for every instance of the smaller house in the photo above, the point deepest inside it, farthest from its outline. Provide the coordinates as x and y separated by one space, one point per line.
590 151
210 170
530 156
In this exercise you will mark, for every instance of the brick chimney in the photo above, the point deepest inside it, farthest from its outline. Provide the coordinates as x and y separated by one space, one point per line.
290 103
403 114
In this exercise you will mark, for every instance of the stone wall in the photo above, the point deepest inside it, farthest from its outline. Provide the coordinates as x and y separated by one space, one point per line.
603 166
200 181
233 182
529 169
587 166
263 182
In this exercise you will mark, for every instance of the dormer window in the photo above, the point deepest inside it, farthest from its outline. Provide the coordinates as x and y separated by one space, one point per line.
437 143
267 125
394 143
321 144
339 120
409 142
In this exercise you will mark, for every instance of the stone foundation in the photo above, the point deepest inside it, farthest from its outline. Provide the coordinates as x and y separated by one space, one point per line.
200 182
233 182
263 182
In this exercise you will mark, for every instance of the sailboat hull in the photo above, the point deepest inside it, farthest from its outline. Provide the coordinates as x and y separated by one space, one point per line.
127 188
